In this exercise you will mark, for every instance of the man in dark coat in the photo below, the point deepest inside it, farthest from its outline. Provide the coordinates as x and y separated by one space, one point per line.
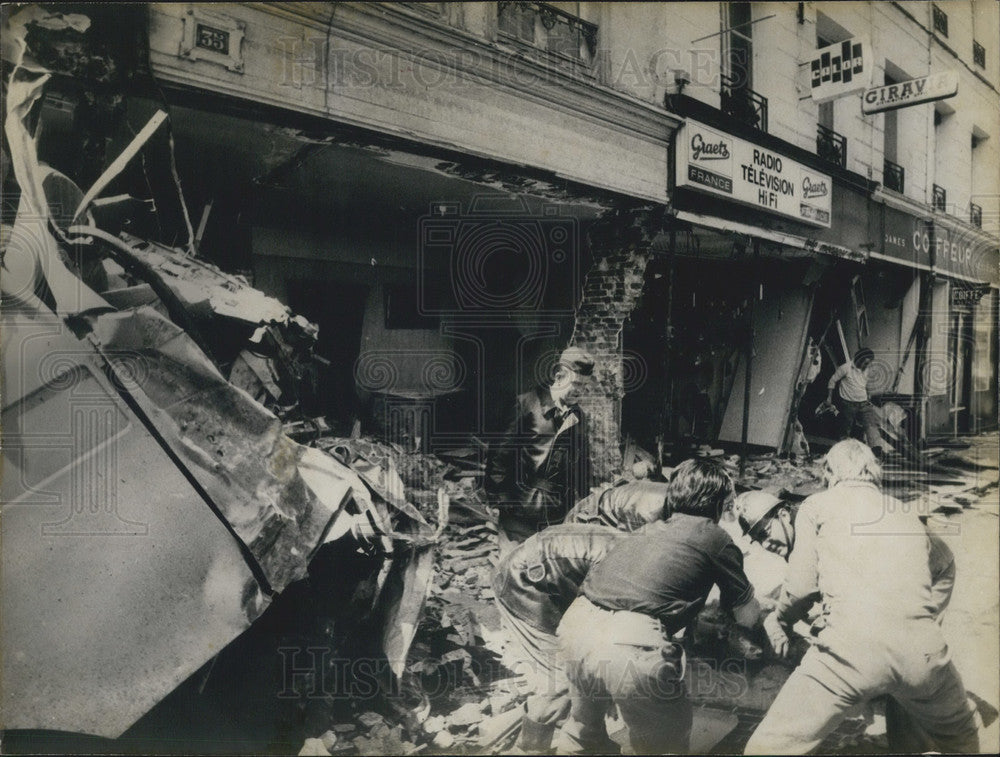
541 467
533 586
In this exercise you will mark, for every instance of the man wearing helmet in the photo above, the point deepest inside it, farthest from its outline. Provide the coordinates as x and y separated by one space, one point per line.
770 522
866 556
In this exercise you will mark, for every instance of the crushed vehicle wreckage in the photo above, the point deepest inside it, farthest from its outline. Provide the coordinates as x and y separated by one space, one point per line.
154 506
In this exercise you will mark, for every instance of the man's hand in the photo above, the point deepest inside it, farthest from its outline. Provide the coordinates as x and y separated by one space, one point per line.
776 635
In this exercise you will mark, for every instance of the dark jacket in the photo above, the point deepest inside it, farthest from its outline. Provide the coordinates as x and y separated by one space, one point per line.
536 473
539 580
627 506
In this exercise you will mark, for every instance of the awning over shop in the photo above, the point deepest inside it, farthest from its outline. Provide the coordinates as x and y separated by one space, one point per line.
938 244
779 237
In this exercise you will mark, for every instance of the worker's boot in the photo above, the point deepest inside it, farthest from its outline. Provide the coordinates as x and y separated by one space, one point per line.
535 737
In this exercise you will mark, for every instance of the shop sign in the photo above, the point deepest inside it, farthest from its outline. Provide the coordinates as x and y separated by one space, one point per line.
962 254
906 237
712 161
839 69
913 92
969 295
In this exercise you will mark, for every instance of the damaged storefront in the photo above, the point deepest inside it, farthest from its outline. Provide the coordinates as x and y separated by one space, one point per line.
729 287
247 319
794 292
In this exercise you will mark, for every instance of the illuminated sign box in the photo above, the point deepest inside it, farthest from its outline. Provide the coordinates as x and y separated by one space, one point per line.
720 164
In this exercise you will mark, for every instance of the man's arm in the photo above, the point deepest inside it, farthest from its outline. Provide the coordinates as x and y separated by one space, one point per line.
500 458
801 578
942 565
736 593
837 376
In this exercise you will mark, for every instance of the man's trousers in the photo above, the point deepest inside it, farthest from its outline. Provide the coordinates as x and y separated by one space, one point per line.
908 660
617 658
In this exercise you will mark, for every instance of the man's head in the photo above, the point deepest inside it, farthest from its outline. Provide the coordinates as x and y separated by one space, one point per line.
863 358
851 460
572 374
767 521
699 487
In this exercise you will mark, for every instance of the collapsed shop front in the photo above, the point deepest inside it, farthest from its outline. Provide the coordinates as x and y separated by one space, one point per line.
763 247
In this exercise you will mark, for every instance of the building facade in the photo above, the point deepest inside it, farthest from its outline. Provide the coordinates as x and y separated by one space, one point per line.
455 191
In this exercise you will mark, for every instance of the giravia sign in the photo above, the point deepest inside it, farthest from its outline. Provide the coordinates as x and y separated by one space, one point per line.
903 94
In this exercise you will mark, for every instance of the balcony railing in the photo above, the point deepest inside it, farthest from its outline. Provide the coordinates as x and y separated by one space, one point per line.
978 54
831 146
940 199
742 103
546 27
975 215
940 21
893 176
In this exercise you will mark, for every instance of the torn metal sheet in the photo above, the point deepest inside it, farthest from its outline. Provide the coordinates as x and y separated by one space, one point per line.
118 581
405 610
232 445
201 285
149 506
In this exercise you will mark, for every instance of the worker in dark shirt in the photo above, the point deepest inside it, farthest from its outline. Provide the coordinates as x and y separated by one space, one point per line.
619 638
534 585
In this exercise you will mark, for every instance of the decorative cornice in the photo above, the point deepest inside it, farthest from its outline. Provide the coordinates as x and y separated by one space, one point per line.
392 26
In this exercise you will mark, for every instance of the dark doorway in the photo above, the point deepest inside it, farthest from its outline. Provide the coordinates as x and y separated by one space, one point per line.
338 308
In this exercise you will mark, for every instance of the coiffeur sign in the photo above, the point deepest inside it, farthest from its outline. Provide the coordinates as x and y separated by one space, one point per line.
721 164
913 92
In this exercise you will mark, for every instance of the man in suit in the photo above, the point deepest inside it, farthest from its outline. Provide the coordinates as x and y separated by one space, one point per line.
541 467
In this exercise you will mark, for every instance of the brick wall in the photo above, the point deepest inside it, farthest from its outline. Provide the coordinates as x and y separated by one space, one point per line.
620 247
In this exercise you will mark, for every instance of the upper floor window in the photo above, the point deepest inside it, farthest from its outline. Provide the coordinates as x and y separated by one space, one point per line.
978 54
940 21
940 198
890 134
738 42
975 215
550 28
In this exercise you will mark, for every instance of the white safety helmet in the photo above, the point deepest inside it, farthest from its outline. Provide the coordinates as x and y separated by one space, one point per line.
752 507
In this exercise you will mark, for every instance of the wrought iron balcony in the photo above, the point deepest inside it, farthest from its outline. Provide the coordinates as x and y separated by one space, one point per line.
556 31
978 54
940 199
975 215
742 103
831 146
893 176
940 21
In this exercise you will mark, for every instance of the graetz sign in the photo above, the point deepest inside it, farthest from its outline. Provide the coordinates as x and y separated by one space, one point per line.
913 92
720 164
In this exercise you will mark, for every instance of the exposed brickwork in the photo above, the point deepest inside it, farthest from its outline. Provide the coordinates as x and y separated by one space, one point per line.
610 292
